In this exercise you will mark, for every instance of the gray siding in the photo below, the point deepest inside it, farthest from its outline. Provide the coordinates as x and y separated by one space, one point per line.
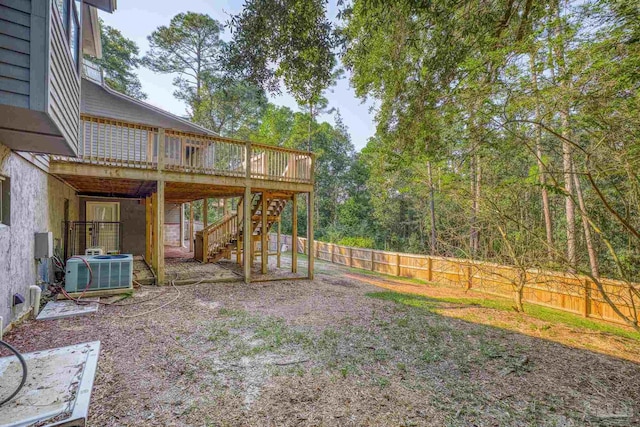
96 101
15 35
64 83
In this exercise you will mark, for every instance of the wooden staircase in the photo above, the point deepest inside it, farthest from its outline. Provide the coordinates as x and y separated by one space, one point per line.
221 238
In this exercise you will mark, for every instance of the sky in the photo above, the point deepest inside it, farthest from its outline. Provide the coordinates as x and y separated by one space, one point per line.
136 19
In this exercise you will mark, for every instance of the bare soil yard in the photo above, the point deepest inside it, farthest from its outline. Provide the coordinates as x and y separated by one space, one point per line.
341 350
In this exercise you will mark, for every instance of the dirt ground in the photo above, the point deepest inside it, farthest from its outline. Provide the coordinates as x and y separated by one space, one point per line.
327 353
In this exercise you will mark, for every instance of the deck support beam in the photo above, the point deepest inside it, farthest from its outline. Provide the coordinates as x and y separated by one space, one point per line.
205 212
278 245
159 232
182 225
247 230
246 234
310 210
294 233
264 243
191 235
148 250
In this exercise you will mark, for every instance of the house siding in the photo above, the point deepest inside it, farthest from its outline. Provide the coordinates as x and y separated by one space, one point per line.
37 205
15 35
64 83
96 101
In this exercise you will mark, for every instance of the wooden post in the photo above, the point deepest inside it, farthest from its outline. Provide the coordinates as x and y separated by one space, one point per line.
294 233
373 261
247 235
398 265
429 269
586 309
191 227
309 245
278 243
246 207
161 142
333 253
350 257
469 277
159 232
205 212
154 230
240 213
264 244
181 225
148 230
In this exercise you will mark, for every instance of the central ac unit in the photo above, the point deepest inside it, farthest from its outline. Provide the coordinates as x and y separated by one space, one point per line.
109 272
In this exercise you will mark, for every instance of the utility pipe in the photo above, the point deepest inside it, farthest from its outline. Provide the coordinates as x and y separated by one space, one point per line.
34 295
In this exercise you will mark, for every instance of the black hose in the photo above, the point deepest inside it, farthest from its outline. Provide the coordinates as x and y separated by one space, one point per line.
24 371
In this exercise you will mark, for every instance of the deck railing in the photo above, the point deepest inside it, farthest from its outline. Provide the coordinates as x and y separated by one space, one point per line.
200 154
121 144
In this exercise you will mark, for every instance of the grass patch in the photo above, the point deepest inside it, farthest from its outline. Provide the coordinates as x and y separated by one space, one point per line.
242 334
542 313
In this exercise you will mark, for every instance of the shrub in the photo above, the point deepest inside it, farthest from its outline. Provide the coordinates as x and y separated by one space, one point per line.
357 242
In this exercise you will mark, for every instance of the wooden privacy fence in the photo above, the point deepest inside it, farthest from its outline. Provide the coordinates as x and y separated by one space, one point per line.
573 293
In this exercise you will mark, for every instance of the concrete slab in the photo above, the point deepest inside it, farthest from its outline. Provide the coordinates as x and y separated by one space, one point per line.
66 308
58 387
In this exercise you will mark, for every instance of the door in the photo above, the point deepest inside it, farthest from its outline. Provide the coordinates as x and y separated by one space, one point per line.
103 226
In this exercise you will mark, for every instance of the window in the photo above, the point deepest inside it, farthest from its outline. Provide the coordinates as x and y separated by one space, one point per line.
5 207
63 10
74 34
69 11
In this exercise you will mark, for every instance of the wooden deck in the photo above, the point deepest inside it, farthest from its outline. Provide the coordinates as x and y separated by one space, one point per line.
122 159
128 159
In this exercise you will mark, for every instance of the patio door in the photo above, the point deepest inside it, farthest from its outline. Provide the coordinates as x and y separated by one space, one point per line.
104 228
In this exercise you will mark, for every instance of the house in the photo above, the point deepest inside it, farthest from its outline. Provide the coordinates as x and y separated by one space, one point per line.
97 168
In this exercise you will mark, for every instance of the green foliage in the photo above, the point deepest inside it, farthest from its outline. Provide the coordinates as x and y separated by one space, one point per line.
289 40
230 108
119 61
357 242
189 47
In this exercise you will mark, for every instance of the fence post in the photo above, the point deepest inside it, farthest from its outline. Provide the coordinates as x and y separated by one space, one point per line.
469 277
429 269
398 264
350 257
333 253
587 298
373 261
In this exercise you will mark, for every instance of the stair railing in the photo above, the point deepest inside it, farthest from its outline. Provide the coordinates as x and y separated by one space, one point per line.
220 234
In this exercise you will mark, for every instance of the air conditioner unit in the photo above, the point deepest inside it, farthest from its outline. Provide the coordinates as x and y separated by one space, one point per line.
93 251
109 272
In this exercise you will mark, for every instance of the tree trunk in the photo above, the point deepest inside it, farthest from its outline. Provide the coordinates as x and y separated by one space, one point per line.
541 167
567 149
310 122
476 179
432 209
593 258
474 206
567 168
